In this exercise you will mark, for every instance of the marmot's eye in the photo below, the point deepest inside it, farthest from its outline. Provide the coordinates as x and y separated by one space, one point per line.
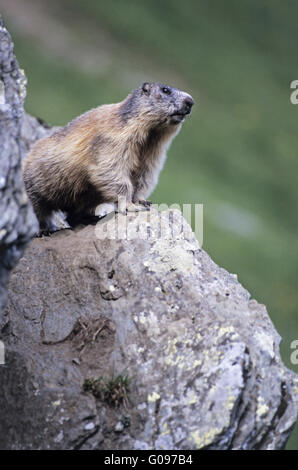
166 90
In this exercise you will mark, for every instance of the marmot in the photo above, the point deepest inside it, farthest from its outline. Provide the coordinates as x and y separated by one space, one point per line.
110 151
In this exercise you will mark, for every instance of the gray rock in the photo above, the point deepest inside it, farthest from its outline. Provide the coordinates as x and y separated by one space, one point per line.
202 357
17 133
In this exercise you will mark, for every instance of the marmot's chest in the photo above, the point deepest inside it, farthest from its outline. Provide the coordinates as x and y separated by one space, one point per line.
143 164
137 174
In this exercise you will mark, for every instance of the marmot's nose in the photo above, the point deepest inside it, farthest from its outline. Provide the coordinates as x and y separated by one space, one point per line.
188 103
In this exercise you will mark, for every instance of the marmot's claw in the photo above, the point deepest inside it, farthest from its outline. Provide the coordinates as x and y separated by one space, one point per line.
45 233
145 203
132 207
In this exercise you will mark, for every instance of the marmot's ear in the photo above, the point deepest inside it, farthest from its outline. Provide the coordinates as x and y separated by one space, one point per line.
146 87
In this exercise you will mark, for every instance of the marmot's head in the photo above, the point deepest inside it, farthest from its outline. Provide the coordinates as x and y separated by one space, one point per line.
157 104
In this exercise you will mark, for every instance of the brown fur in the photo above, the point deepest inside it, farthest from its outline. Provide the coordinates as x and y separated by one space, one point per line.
110 151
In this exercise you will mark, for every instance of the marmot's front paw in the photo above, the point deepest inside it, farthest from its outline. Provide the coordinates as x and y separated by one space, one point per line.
145 203
133 207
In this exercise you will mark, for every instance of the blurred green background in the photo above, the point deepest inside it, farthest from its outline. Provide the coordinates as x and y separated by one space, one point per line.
236 154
